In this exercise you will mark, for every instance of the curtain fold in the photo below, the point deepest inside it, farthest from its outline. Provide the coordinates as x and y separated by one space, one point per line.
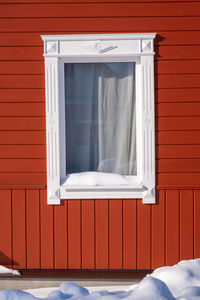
100 117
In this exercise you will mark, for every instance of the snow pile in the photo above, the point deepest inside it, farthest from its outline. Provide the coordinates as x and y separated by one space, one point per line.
95 179
6 271
180 282
180 277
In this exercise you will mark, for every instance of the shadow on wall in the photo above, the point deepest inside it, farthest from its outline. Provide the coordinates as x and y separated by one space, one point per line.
7 261
158 41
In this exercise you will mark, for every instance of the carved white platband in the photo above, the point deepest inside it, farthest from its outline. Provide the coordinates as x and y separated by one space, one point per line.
54 196
61 49
52 47
98 46
147 45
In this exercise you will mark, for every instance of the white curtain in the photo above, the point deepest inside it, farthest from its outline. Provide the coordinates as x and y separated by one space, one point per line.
100 117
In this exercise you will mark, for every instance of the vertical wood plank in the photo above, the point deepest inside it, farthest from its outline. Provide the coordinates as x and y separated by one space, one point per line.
19 228
87 234
172 227
186 224
129 234
101 234
144 235
33 229
6 230
74 234
158 232
197 224
46 221
115 234
60 235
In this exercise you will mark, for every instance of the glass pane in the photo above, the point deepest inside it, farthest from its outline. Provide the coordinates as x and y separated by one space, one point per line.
100 117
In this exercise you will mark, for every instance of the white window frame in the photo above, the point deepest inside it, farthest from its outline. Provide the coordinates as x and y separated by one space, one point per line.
61 49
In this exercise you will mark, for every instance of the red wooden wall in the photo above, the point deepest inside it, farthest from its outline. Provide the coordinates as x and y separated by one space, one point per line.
99 234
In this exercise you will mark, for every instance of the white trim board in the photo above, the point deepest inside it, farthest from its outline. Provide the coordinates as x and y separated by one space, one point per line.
60 49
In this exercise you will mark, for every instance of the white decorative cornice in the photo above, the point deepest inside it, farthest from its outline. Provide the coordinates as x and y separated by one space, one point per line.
133 44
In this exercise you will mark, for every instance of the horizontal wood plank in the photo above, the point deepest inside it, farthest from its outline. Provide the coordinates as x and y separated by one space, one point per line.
22 165
22 151
178 138
177 67
22 123
178 151
22 109
178 95
178 109
22 67
22 81
22 95
29 179
178 165
21 53
78 1
177 52
103 24
178 123
178 81
22 138
98 10
178 179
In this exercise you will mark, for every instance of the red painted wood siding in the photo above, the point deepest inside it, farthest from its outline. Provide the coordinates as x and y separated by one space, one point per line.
99 234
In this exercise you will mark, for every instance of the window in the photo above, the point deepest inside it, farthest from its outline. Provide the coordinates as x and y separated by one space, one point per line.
100 116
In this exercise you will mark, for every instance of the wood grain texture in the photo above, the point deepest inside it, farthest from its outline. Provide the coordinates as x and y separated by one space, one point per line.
143 236
22 123
178 151
196 224
6 229
158 231
47 232
106 24
172 227
22 109
74 234
101 234
129 234
29 140
178 165
33 229
98 10
19 229
25 179
178 110
88 237
22 165
186 224
61 235
115 234
189 136
78 1
177 95
22 95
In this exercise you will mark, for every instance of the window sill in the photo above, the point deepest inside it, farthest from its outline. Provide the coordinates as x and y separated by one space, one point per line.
95 192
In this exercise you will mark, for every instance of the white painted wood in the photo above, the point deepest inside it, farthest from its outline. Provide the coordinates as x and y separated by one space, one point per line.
137 48
117 45
148 128
52 131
